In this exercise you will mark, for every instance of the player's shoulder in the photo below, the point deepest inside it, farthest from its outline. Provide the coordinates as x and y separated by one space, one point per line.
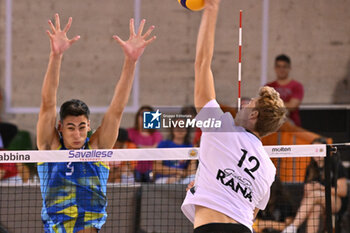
55 144
211 103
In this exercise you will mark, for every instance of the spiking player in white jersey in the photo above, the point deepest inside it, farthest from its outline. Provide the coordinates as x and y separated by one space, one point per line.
235 173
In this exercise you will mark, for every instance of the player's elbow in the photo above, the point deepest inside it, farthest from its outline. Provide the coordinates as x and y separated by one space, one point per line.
202 64
113 116
115 111
47 102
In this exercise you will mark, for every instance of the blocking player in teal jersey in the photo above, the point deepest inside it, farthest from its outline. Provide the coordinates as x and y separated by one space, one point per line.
74 194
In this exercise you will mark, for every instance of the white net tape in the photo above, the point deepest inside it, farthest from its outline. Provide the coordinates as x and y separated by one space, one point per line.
36 156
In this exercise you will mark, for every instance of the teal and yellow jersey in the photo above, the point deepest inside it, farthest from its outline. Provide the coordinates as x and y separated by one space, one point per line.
74 195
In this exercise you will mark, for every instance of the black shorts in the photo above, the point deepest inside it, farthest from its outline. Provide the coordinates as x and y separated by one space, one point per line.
222 228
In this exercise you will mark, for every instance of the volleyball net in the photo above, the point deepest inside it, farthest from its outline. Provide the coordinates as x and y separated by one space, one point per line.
144 189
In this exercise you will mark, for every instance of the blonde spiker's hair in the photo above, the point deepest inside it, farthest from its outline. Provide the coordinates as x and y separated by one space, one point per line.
272 111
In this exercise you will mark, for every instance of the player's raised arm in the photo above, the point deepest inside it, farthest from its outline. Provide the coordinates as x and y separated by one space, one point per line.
46 131
133 48
204 90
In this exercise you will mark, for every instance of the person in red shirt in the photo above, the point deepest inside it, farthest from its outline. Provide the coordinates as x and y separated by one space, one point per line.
291 91
8 170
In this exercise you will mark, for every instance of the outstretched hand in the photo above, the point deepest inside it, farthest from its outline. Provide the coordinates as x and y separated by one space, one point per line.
58 38
133 48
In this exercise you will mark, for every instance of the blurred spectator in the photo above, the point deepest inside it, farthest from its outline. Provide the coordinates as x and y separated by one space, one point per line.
8 171
122 172
23 141
291 91
7 132
278 212
173 171
143 138
312 206
191 112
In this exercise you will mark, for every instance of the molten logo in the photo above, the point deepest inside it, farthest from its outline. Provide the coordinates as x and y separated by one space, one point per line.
282 149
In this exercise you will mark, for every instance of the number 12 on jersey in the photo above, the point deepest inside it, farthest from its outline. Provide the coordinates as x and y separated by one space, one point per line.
251 159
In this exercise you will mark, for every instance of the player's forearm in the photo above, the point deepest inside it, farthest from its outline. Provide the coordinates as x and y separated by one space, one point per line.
342 188
51 80
123 88
204 83
206 37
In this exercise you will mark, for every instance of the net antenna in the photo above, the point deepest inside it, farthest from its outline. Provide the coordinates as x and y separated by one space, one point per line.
240 60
